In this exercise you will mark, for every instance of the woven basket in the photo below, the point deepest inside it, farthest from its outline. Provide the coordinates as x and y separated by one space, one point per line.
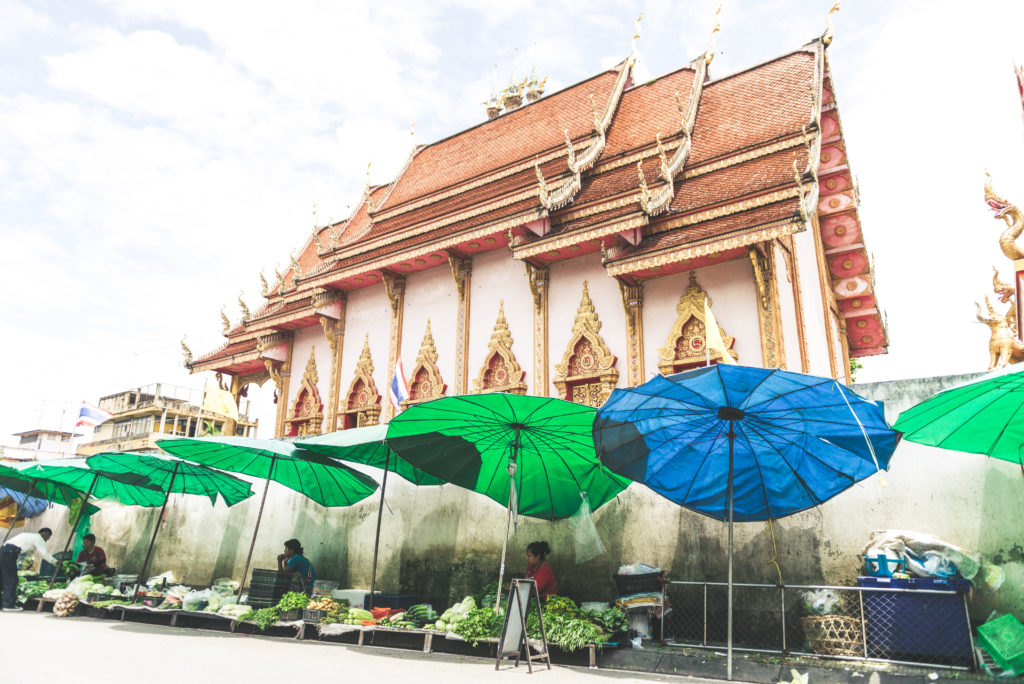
834 635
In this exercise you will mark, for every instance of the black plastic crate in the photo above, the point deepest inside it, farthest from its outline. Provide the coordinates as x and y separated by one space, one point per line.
289 615
635 584
313 615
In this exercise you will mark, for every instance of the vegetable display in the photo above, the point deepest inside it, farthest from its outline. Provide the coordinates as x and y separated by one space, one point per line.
66 605
479 624
455 614
29 590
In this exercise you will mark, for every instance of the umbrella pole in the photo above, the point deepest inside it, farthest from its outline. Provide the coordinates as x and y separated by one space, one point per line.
508 518
259 516
732 437
74 528
152 540
380 514
18 512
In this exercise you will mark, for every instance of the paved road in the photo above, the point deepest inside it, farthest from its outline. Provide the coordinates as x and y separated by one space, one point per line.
89 651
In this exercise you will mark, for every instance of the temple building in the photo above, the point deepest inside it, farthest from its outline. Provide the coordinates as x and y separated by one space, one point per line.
566 246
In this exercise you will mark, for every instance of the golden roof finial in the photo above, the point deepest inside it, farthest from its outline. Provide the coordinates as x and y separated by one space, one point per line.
636 35
224 322
246 314
187 352
709 55
264 288
314 213
826 37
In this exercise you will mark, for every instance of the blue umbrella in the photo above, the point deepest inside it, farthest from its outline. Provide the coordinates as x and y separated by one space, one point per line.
741 443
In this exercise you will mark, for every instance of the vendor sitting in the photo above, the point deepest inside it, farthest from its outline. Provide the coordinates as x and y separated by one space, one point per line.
293 560
93 556
537 568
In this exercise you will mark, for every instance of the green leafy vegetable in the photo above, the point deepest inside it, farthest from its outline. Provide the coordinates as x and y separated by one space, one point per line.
292 601
562 606
479 623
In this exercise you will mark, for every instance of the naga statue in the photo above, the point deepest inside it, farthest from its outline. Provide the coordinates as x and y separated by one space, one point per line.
1005 290
1007 211
1003 347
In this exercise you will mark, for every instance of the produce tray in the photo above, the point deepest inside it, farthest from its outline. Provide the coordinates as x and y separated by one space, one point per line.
313 615
291 615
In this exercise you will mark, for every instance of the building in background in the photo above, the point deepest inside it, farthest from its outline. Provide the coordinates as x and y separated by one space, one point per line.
145 414
40 444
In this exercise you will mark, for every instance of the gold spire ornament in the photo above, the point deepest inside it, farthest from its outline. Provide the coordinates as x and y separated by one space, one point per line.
316 239
187 352
264 288
826 37
296 267
246 315
709 54
224 322
280 279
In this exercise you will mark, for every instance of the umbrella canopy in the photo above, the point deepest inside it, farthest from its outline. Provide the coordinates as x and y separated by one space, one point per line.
15 480
799 439
471 440
982 417
366 445
174 476
125 488
741 443
326 482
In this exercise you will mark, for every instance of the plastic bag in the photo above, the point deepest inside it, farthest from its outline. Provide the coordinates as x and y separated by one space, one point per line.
588 541
157 580
227 583
820 602
637 569
196 600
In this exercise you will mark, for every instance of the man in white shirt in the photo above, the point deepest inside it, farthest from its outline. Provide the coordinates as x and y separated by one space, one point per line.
26 542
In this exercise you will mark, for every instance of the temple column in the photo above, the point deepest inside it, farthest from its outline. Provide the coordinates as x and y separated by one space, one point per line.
280 375
633 306
394 286
540 281
768 315
788 247
462 269
335 334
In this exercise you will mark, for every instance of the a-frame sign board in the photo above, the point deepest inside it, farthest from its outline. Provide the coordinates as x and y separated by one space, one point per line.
513 633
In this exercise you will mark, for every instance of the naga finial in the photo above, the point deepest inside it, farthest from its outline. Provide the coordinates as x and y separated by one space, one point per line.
826 37
636 35
296 267
280 279
246 314
187 352
316 239
264 288
225 323
1007 211
1006 291
709 54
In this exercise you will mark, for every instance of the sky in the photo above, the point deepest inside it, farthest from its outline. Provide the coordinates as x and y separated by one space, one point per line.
155 155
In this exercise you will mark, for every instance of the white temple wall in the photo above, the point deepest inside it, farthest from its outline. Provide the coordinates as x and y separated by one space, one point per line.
787 312
566 290
309 340
431 295
814 310
498 277
367 313
733 302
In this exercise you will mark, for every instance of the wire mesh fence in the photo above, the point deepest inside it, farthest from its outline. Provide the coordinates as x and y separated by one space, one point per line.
918 626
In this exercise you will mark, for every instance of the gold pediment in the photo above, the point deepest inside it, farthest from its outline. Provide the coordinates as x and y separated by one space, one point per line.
500 371
425 383
587 373
687 342
306 414
362 402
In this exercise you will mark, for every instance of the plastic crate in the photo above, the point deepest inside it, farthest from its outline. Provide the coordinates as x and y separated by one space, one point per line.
1003 639
291 615
313 615
636 584
879 565
904 625
392 600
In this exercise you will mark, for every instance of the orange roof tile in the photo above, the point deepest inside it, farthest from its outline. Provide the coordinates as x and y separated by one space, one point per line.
647 110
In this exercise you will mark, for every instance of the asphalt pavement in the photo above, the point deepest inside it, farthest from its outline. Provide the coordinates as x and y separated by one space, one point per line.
40 647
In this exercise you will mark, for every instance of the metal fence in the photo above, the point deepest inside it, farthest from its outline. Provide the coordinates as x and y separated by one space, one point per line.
910 626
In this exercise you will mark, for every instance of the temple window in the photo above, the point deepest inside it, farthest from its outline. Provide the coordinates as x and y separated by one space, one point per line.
587 373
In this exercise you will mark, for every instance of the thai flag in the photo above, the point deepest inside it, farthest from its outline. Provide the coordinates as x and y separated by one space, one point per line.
91 416
398 390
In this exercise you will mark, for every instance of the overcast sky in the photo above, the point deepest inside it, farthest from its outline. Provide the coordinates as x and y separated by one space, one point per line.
155 155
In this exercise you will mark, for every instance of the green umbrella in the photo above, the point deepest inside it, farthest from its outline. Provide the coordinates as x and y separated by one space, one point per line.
55 492
367 445
983 417
490 442
317 477
125 488
173 475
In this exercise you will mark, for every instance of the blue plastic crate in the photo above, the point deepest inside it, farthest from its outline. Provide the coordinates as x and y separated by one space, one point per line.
904 625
